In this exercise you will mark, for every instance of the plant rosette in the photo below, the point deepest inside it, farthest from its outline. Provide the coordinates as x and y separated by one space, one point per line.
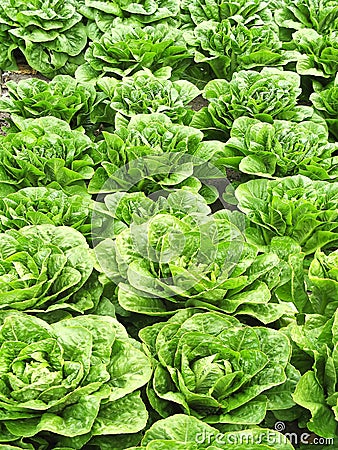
213 367
169 251
70 381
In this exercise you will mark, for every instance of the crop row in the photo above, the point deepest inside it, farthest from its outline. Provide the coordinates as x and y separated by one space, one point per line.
169 272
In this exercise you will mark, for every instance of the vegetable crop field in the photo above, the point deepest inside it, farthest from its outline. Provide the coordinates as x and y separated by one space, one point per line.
168 224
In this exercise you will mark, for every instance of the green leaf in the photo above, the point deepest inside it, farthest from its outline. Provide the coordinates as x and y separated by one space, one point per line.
310 395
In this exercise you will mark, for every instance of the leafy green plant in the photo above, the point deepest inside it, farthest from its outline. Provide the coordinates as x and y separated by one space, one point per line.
316 390
172 253
41 205
128 47
150 153
228 47
70 381
7 47
323 283
319 15
229 302
280 148
325 101
246 12
45 151
181 432
318 54
146 93
144 11
42 266
294 206
63 97
266 95
213 367
49 33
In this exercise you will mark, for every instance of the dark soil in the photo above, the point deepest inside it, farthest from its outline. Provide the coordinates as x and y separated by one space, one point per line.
24 73
234 176
198 103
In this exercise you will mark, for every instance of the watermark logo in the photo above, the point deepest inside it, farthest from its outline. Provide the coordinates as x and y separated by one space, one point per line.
279 426
254 436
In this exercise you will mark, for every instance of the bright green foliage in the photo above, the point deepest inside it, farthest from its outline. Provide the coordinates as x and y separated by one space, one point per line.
172 253
316 391
64 98
266 95
325 101
145 11
42 266
150 153
323 283
128 47
73 379
49 33
145 93
228 47
298 207
320 15
247 12
124 193
7 47
45 151
319 54
280 148
215 368
41 205
181 432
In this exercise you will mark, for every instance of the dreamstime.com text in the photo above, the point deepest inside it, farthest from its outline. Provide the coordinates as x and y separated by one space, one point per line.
268 437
